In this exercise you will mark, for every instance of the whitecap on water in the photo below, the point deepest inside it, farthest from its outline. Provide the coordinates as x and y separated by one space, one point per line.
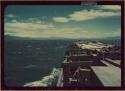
29 46
45 81
37 48
30 66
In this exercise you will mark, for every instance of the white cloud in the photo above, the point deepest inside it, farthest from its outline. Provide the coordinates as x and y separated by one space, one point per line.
110 7
11 15
34 30
34 20
27 26
60 19
29 30
59 33
91 14
14 20
38 27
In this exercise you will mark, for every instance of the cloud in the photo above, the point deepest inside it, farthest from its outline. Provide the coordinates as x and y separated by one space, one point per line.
60 19
11 15
27 26
34 20
27 29
35 27
39 30
83 15
62 33
36 30
14 20
110 7
92 14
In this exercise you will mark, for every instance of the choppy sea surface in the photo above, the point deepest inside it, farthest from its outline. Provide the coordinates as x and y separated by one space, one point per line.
30 60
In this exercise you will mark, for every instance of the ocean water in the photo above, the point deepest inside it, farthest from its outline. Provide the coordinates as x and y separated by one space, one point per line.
30 60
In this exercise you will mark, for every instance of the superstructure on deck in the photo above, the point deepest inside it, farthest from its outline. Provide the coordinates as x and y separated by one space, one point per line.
91 64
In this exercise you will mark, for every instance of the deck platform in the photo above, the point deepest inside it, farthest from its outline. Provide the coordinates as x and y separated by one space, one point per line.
109 76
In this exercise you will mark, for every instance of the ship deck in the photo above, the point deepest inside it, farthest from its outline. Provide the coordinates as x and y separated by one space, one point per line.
91 64
109 76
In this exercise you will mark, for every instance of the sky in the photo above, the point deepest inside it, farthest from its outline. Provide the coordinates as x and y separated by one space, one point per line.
62 21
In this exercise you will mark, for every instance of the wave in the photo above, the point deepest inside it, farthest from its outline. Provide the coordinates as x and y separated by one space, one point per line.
46 81
31 66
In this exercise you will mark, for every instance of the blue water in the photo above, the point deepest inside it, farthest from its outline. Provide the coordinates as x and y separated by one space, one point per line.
30 60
